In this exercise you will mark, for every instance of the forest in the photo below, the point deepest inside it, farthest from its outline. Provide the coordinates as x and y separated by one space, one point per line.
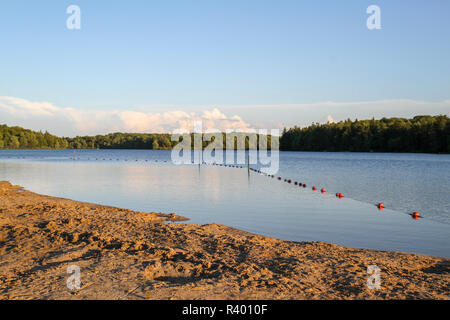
426 134
19 138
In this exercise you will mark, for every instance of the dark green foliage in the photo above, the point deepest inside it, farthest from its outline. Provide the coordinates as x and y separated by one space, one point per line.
17 137
122 141
428 134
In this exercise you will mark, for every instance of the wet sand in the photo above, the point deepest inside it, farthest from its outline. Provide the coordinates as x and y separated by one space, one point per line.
124 254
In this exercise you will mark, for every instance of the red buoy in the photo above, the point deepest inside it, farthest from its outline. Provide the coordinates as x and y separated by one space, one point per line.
337 195
289 181
304 185
380 206
341 195
314 188
323 190
279 178
416 215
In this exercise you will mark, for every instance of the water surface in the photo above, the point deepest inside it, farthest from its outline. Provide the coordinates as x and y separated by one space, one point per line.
146 180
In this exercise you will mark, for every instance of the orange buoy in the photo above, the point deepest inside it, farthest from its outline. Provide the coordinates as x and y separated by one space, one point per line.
314 188
416 215
323 190
380 206
337 195
341 195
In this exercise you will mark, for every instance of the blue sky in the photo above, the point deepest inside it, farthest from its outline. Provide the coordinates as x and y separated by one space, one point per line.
268 62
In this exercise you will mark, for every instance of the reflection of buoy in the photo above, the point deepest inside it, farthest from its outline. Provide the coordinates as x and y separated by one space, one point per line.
380 206
416 215
323 190
314 188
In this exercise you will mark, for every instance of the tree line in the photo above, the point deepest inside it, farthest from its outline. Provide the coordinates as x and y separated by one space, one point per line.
427 134
19 138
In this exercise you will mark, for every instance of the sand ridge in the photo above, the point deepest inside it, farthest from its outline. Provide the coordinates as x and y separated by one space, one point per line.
124 254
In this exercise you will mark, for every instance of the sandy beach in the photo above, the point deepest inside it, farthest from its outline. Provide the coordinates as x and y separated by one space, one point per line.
124 254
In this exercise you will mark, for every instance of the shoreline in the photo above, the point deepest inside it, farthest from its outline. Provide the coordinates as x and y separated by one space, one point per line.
124 254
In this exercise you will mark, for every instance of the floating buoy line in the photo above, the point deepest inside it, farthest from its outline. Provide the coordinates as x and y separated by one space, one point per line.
415 215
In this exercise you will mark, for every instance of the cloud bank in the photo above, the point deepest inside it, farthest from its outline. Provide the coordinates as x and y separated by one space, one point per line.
70 122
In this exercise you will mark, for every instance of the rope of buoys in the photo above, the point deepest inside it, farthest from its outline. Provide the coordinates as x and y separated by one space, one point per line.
415 215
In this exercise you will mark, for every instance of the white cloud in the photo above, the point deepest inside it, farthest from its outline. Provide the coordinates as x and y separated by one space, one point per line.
288 115
330 119
69 122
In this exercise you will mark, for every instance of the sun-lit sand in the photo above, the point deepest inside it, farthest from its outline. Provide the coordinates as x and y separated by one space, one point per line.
123 254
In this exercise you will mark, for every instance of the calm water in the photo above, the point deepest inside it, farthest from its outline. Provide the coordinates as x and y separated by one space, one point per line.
146 180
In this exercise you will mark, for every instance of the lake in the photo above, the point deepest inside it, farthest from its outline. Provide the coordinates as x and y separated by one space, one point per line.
147 180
